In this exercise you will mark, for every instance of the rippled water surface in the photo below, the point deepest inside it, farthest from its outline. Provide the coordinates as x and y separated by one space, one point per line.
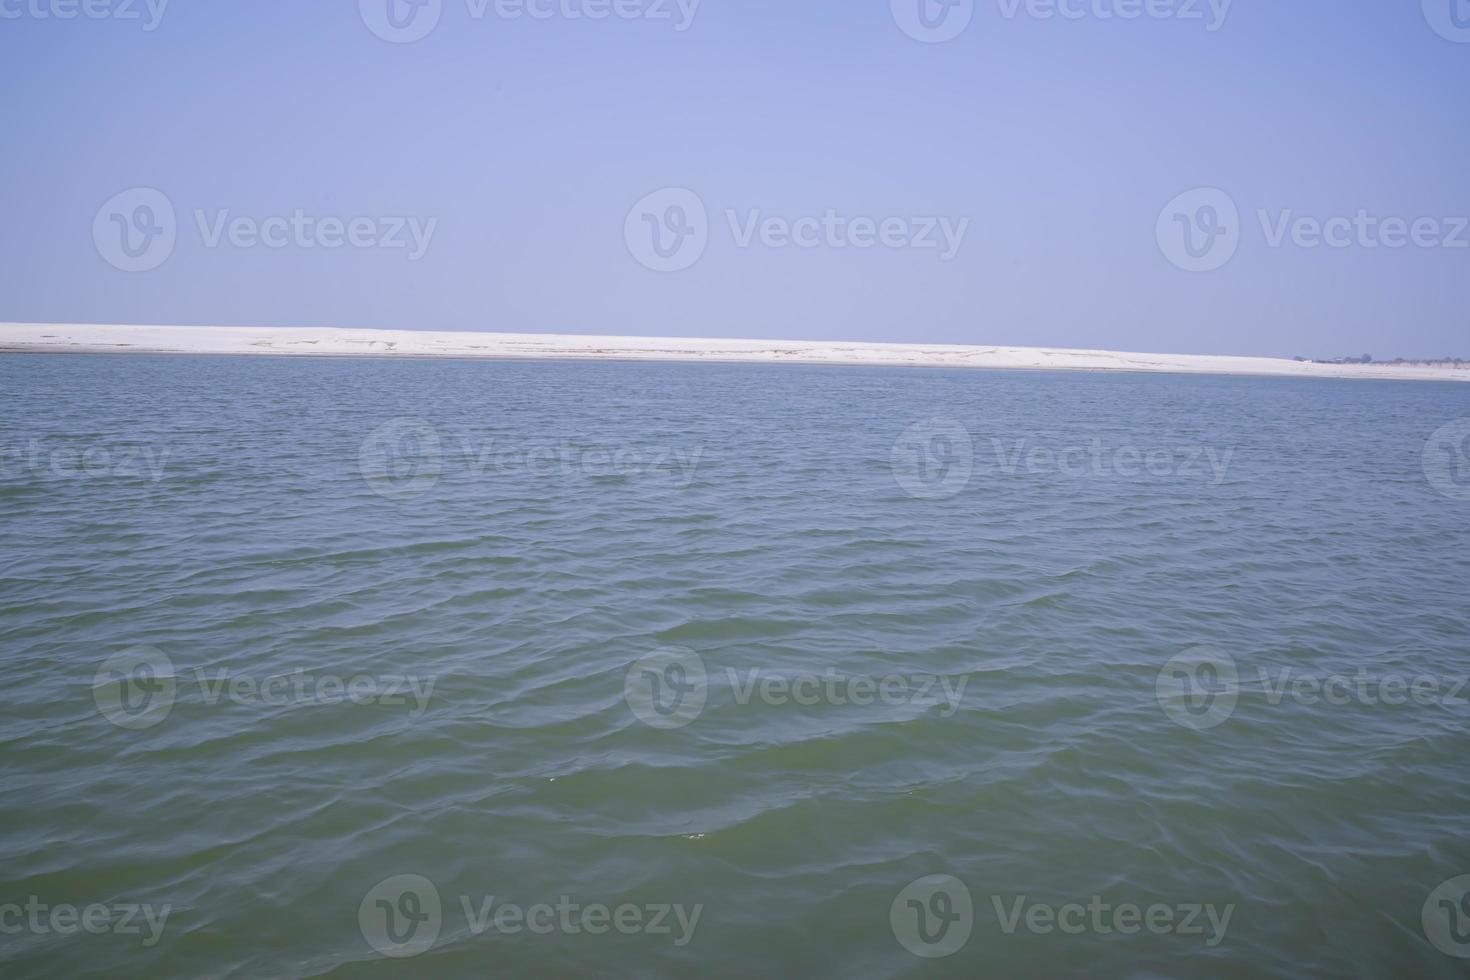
919 660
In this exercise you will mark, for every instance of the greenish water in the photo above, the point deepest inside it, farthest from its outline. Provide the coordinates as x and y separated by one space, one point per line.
681 670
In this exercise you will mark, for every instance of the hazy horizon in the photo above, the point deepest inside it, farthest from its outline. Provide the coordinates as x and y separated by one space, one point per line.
1026 182
750 338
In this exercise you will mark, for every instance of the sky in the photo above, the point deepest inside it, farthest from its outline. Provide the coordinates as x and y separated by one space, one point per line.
1201 176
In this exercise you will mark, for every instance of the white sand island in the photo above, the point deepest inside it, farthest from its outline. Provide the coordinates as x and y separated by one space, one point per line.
327 342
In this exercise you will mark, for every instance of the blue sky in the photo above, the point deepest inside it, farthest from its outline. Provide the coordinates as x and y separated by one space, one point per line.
528 152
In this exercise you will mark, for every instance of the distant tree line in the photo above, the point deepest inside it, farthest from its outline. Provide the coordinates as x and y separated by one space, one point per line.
1368 359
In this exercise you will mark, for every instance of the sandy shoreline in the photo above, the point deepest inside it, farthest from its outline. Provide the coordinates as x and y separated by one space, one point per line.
325 342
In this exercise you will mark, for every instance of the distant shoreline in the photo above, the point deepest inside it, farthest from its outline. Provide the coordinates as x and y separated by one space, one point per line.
331 342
